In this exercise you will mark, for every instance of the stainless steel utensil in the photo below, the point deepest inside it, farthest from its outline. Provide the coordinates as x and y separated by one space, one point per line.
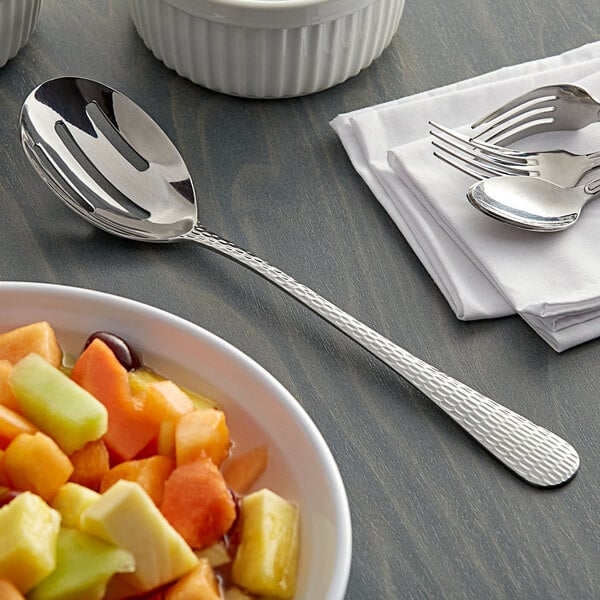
548 108
489 160
531 203
112 164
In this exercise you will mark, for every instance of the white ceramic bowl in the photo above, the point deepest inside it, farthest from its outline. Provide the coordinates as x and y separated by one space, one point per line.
266 48
18 19
258 409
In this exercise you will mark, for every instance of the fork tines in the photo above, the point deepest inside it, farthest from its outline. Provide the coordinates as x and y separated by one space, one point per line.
528 111
473 157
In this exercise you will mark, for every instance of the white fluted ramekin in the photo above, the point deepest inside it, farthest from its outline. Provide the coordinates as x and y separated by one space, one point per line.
18 19
266 48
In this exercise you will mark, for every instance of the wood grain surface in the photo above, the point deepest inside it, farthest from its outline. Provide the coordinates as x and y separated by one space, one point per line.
434 516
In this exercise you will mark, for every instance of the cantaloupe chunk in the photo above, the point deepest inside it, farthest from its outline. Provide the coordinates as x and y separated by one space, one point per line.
71 500
36 463
197 503
198 584
242 471
34 337
165 401
267 557
151 473
12 424
28 533
57 405
165 441
202 433
9 591
235 593
90 464
99 372
126 517
7 398
140 379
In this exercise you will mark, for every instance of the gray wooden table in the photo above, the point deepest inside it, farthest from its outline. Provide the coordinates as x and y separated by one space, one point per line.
434 516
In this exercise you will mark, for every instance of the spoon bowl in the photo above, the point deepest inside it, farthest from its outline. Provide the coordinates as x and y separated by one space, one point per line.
113 165
531 203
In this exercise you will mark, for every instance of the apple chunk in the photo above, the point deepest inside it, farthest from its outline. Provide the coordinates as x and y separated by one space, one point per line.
66 412
126 516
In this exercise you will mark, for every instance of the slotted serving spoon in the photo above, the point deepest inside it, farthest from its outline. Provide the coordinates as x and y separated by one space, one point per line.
113 165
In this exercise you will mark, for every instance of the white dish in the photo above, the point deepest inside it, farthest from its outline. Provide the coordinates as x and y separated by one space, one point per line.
258 409
266 48
18 19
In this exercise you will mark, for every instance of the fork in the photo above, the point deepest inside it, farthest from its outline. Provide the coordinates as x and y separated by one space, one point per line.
548 108
558 166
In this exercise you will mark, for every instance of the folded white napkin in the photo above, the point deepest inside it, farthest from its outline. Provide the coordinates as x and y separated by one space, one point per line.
484 268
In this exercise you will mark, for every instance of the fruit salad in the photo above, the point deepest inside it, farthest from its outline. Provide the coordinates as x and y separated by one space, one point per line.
117 483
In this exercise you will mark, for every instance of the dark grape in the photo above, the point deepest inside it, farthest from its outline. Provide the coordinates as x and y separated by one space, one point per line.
122 350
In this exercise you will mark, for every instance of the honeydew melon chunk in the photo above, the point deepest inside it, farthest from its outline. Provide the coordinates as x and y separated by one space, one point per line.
267 557
66 412
28 533
125 516
84 564
71 500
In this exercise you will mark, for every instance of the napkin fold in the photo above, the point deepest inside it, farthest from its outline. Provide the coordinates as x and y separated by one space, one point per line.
484 268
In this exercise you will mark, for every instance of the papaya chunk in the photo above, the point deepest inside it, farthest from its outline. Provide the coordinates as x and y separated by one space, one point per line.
197 503
98 371
35 337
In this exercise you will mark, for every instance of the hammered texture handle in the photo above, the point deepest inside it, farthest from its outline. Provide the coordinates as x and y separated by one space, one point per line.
532 452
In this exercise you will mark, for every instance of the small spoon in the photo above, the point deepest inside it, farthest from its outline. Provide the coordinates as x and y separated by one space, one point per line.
531 203
114 166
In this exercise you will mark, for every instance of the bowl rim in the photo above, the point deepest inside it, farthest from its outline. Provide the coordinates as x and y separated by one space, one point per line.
265 14
343 539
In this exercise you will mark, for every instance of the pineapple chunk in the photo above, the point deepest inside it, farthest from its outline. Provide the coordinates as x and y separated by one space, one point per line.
125 516
71 500
28 532
267 558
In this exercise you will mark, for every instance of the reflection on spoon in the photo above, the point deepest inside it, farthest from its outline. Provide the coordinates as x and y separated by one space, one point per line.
103 171
531 203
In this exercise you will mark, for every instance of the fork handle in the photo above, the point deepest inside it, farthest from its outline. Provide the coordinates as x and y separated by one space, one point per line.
532 452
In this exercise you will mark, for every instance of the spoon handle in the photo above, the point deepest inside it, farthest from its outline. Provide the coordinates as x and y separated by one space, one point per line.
532 452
